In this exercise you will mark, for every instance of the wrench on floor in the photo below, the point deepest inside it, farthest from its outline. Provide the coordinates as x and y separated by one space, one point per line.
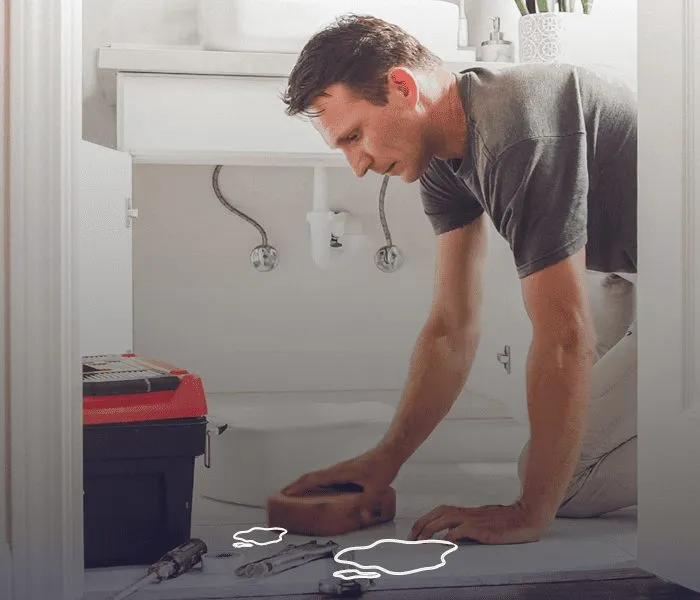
289 557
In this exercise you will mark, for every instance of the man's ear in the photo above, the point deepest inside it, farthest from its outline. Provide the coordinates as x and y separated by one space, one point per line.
403 82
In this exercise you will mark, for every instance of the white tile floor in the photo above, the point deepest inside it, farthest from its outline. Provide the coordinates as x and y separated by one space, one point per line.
587 544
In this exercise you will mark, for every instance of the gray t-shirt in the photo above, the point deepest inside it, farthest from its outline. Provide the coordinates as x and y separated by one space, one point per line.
551 157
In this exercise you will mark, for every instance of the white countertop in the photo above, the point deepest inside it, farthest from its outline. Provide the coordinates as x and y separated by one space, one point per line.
194 60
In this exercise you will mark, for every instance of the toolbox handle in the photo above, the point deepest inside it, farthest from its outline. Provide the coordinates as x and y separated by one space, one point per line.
212 428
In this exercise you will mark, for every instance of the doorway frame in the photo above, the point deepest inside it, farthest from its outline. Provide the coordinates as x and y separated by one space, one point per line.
45 396
669 313
42 341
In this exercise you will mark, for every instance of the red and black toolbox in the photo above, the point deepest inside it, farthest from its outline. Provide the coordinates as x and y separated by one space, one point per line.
144 423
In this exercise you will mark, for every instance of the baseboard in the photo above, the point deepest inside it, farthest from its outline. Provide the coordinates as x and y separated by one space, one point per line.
5 571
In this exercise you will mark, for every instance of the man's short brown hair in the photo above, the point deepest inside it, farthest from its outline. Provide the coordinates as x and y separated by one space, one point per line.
355 50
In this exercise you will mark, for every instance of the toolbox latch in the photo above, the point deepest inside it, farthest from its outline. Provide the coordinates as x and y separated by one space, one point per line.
212 429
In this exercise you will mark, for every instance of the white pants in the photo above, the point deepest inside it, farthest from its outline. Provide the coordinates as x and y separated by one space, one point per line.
605 478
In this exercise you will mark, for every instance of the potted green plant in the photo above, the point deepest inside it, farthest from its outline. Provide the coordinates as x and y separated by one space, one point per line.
534 6
554 30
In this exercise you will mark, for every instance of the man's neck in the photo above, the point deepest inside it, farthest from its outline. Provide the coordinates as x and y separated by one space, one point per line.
447 129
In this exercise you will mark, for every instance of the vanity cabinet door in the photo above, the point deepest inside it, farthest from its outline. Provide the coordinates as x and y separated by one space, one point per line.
105 251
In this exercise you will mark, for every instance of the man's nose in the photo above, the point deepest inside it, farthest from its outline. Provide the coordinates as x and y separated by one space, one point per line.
360 163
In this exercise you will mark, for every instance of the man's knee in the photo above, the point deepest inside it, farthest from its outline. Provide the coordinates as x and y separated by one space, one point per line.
522 466
608 485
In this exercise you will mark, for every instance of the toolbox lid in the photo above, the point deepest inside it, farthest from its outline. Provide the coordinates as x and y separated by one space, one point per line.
111 375
125 387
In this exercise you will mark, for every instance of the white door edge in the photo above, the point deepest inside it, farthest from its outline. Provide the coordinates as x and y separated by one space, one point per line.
4 257
669 292
46 413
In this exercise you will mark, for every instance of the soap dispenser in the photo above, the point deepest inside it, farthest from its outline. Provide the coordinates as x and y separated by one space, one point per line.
496 48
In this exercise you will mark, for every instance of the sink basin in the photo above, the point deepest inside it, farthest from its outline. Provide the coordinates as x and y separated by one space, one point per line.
284 26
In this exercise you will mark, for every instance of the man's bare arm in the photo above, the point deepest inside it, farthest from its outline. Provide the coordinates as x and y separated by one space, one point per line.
447 344
558 373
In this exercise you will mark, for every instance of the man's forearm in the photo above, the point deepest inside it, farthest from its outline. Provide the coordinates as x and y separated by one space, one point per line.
439 367
557 391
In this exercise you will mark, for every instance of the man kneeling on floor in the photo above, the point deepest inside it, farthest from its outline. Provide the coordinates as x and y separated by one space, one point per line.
549 154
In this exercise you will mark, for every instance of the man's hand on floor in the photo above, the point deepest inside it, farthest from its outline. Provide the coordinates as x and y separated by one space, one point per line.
492 524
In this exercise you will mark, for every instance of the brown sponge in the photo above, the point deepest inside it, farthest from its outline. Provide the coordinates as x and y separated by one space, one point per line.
327 512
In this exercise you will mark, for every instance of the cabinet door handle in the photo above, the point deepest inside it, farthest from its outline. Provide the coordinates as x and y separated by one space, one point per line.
131 212
504 358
